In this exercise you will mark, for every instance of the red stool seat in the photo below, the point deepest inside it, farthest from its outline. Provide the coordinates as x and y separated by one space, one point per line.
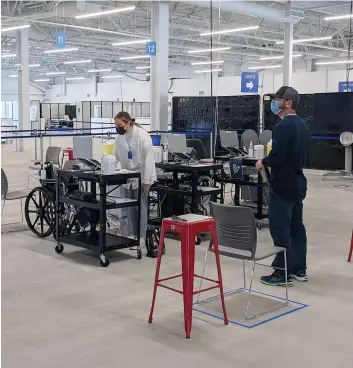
188 229
351 249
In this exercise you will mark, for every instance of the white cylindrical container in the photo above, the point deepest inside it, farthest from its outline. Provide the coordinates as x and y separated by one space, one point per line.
108 165
259 151
157 151
165 152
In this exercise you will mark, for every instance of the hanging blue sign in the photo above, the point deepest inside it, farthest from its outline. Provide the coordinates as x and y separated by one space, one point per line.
345 86
249 82
60 40
151 48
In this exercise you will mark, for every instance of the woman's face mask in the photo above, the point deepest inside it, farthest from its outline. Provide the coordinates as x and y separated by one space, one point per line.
121 130
275 107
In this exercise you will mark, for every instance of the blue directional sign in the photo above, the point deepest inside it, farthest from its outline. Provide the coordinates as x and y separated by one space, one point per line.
250 82
151 48
60 40
345 86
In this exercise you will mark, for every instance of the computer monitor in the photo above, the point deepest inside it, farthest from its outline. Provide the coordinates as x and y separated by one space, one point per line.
229 138
177 143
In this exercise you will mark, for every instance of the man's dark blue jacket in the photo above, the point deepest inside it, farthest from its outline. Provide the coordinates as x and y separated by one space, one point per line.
289 154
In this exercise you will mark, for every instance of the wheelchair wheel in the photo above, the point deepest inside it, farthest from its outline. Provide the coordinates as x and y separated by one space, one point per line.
40 212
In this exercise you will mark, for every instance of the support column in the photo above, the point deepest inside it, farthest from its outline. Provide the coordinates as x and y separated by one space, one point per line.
288 50
159 66
23 83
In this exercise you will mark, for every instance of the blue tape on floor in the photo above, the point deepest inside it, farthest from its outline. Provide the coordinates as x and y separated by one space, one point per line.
300 306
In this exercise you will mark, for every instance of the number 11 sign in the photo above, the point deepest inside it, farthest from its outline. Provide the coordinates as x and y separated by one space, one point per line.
151 48
60 40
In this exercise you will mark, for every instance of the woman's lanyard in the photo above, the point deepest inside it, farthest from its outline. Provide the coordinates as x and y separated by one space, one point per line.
129 153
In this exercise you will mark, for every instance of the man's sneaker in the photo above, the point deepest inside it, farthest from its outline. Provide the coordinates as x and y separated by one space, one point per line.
276 280
300 276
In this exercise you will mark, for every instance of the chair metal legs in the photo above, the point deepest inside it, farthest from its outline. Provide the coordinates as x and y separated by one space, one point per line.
248 307
13 223
248 315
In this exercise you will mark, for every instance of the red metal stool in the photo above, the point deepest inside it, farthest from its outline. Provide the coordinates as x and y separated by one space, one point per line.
69 153
351 249
188 226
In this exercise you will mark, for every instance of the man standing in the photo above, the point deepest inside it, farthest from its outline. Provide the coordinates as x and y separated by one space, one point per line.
289 154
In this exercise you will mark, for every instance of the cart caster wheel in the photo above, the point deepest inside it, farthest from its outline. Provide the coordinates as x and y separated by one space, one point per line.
59 248
259 225
324 178
163 251
198 240
139 254
104 263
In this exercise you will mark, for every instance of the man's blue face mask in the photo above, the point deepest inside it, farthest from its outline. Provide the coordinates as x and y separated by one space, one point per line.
275 107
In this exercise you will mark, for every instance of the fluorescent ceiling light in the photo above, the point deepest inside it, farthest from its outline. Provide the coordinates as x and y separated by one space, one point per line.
112 76
53 51
143 67
134 57
278 57
301 40
42 80
130 42
14 28
98 70
7 56
209 50
208 71
77 62
13 76
33 65
265 67
105 12
55 73
229 31
208 62
75 78
334 62
343 16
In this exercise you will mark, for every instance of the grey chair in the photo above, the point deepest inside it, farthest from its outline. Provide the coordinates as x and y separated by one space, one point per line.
237 238
264 137
52 155
11 196
249 136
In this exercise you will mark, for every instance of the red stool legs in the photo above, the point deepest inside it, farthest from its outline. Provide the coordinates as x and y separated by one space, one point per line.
351 250
218 263
158 266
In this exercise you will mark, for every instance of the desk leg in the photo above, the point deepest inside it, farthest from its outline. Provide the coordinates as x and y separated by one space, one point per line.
237 195
102 218
193 193
222 187
259 197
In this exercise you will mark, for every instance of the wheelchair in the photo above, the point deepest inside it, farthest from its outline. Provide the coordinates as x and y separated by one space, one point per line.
40 206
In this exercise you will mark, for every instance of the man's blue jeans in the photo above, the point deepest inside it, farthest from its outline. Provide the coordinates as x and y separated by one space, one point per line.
288 231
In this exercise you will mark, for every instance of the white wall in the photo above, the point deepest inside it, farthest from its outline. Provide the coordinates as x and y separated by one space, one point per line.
9 90
304 82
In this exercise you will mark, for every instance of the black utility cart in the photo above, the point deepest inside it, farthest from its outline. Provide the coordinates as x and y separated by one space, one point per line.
94 204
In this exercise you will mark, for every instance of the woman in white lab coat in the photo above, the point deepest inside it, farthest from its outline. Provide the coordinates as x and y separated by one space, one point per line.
133 149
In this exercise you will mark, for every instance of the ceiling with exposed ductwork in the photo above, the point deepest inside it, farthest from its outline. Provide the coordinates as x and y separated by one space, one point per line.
187 21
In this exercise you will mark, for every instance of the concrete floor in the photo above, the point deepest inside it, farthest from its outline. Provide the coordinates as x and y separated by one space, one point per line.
66 311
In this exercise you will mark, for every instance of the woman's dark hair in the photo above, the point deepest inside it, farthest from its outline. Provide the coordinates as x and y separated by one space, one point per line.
125 117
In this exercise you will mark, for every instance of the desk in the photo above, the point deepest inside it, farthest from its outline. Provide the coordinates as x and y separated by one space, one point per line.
95 238
194 171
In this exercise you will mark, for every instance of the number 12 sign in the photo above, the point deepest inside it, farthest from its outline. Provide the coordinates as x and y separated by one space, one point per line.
151 48
60 40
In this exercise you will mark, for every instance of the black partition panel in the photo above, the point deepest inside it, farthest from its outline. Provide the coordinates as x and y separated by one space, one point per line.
327 116
198 113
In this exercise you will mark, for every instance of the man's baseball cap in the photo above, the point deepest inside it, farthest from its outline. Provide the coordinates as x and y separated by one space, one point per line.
287 93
